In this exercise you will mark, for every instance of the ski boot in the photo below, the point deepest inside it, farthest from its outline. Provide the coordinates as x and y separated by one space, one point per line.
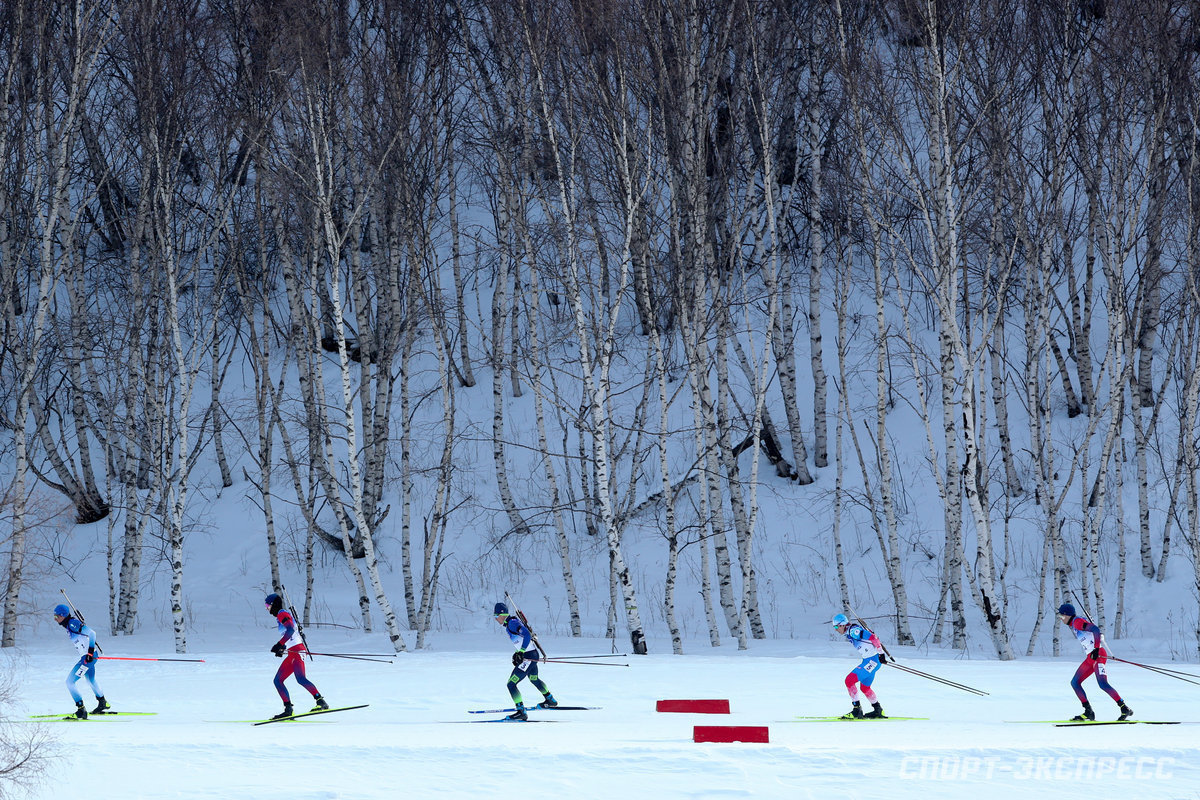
321 704
1087 716
548 702
876 712
287 712
102 706
519 714
80 711
1126 712
855 712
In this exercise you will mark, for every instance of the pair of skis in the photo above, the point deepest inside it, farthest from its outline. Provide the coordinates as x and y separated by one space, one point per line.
303 714
535 708
93 715
851 719
73 718
1058 723
1076 723
538 707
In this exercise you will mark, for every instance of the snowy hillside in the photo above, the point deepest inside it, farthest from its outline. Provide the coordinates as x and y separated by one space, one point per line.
687 325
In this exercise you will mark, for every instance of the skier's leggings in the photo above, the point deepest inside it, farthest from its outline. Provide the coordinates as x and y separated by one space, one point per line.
81 670
1085 671
293 664
853 684
528 669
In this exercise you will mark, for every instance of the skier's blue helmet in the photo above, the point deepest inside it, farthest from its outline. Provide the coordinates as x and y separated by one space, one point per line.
500 610
62 610
1067 609
839 620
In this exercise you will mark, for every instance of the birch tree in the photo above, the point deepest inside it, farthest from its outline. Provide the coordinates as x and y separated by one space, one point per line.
51 133
883 513
596 347
340 188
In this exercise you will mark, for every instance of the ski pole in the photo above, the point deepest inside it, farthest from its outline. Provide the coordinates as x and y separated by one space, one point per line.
1160 669
131 658
353 657
1169 673
78 615
521 616
935 678
358 655
576 658
939 679
891 661
580 663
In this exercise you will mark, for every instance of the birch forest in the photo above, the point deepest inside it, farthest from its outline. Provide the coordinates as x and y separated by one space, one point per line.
571 273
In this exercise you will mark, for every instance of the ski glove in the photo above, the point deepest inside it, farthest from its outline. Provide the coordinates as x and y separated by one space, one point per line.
518 658
89 656
1095 654
278 649
883 658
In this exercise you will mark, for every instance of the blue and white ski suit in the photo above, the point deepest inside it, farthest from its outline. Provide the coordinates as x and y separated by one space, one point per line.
869 649
84 639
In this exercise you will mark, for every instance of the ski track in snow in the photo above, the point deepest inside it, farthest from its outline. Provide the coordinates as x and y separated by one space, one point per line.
405 745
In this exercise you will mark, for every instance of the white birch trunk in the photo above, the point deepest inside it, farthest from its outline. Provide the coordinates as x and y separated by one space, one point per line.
435 532
460 306
816 232
501 309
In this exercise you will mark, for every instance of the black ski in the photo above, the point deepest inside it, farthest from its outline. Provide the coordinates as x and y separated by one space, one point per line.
1114 722
310 714
538 707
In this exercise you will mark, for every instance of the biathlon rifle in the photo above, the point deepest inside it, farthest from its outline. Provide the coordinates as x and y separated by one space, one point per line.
75 613
521 616
296 619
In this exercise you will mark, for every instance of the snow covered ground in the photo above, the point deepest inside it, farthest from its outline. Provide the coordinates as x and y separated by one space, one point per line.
416 739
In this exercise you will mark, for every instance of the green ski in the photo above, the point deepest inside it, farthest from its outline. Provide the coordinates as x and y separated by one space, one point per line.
100 714
850 719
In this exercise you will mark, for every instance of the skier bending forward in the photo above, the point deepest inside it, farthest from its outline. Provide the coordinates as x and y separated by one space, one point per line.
84 639
871 650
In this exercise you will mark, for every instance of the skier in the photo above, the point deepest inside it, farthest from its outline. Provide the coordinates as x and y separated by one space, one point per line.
84 639
869 647
292 645
524 661
1093 643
